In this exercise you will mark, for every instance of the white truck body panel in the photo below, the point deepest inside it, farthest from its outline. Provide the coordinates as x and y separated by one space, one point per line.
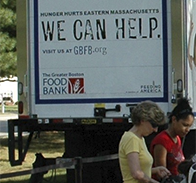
191 41
96 52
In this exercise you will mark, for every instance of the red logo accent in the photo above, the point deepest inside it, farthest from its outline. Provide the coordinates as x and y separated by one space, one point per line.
76 85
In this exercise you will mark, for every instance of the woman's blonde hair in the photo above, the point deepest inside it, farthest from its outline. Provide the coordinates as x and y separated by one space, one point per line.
147 111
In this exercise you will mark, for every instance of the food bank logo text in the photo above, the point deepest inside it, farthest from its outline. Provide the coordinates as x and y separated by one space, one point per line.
60 86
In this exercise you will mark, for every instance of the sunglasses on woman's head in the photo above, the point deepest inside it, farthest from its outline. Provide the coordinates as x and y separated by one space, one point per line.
154 125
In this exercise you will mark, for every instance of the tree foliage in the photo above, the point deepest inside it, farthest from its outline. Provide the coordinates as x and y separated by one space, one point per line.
8 59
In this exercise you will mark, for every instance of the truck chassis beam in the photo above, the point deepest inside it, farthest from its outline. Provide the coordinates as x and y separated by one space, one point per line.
16 127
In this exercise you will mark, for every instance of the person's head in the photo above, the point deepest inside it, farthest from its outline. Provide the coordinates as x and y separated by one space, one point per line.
181 117
148 111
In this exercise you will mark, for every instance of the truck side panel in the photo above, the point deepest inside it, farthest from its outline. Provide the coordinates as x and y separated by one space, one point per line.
107 53
22 52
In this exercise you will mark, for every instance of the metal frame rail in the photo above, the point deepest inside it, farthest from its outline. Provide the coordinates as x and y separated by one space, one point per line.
18 148
68 163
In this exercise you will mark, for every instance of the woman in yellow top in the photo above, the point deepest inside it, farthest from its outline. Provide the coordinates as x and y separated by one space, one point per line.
134 157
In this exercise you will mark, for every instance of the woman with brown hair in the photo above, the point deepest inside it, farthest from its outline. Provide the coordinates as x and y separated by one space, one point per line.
134 157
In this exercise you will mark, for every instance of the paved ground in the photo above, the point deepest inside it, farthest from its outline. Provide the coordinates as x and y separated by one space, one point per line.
7 115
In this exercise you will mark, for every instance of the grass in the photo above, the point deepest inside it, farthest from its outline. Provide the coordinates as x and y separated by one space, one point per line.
9 109
50 144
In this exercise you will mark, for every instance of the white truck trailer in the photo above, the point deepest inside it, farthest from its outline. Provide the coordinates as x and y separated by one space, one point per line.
85 64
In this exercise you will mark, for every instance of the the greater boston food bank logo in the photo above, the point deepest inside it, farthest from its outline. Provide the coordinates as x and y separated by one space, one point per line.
53 85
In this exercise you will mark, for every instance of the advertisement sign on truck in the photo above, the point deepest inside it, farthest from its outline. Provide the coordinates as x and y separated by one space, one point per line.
100 53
